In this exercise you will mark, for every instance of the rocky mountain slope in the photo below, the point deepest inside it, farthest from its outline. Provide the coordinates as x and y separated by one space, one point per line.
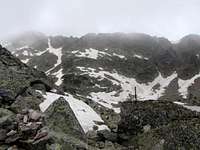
85 110
33 115
106 68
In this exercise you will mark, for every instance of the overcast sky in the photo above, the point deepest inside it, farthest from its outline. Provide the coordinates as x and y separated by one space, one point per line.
170 18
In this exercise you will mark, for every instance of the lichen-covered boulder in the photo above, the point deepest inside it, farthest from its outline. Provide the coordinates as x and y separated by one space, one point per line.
59 117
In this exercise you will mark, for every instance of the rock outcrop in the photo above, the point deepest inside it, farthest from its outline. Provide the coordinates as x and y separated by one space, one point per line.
158 125
59 117
16 76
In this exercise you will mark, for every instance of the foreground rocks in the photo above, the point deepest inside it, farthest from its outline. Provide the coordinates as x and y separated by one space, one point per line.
149 125
22 130
59 117
16 77
183 134
145 125
158 125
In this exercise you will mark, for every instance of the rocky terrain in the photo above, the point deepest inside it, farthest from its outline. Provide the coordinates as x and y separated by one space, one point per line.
67 93
36 114
107 67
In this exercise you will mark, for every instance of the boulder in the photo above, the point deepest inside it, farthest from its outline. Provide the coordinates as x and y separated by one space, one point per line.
34 115
29 100
6 98
3 134
107 135
6 119
59 117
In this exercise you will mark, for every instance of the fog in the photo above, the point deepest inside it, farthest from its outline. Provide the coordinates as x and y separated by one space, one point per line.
169 18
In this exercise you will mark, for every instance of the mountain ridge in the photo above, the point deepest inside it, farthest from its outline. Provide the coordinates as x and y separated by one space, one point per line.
114 63
96 108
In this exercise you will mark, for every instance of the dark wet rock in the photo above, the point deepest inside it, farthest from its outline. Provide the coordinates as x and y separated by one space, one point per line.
40 85
41 134
4 147
107 135
102 139
12 139
6 98
3 134
92 137
6 119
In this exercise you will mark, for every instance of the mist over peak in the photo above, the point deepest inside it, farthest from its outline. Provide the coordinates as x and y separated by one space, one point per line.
77 17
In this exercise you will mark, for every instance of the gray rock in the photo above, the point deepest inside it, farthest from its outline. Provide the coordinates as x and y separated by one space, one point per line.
16 76
12 138
26 103
25 119
6 118
109 145
3 134
34 115
107 135
59 117
12 132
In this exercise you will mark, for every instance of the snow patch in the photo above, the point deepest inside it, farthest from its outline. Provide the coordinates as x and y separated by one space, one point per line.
193 108
25 60
90 53
120 56
25 53
21 48
5 43
40 53
57 52
59 74
83 112
184 84
140 57
98 74
144 91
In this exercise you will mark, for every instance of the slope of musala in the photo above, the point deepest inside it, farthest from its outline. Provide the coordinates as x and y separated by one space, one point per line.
15 75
